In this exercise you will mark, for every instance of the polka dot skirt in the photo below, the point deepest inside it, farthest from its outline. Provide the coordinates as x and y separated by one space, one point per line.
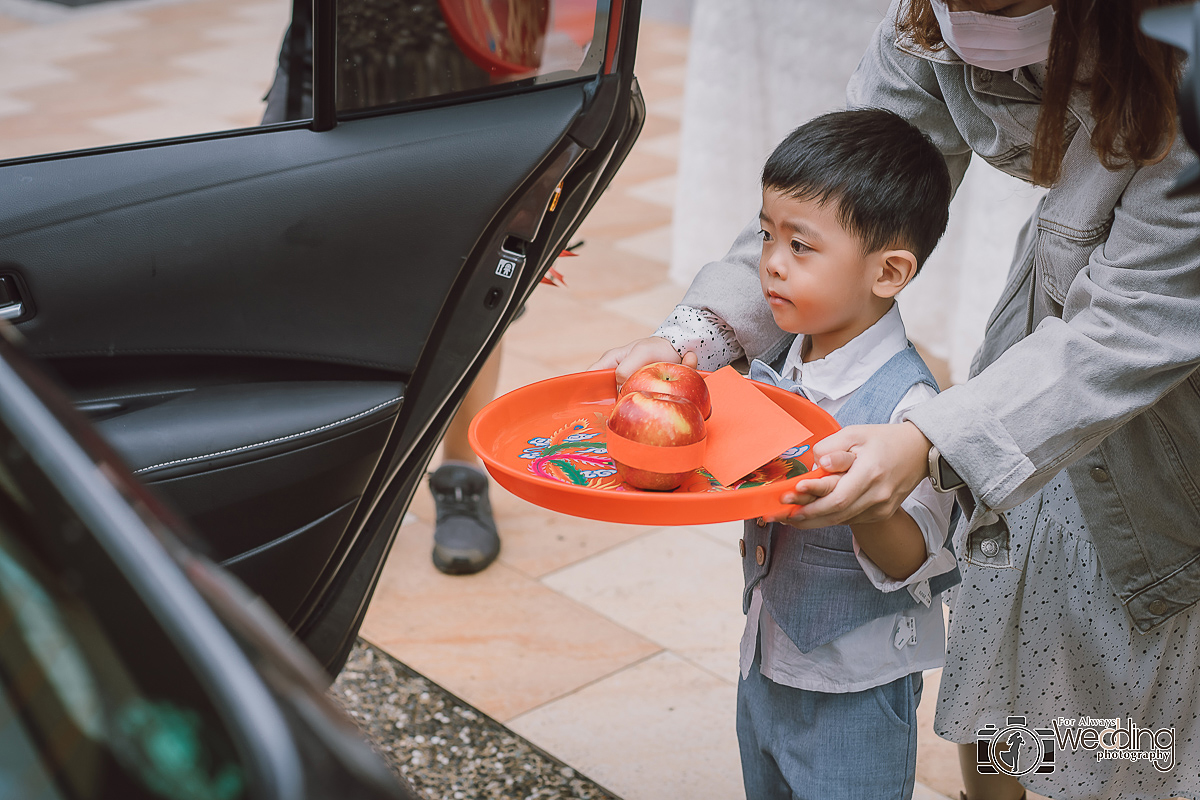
1049 640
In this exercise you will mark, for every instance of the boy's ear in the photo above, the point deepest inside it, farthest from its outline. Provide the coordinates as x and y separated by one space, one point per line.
896 269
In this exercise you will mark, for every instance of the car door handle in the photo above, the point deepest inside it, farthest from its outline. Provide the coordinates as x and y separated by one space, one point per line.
11 305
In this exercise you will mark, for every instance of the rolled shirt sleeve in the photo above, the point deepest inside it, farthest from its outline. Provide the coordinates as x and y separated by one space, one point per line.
931 511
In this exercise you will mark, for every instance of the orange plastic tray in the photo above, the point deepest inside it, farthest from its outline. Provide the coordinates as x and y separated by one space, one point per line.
545 443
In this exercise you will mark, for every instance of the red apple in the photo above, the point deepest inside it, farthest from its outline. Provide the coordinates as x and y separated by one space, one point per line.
673 379
659 421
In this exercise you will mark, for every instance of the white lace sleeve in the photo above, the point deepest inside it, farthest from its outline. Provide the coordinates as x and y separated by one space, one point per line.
702 332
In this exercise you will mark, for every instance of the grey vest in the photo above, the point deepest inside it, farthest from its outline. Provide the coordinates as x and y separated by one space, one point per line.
812 583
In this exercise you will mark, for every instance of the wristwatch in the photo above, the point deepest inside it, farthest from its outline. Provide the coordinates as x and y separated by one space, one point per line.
941 474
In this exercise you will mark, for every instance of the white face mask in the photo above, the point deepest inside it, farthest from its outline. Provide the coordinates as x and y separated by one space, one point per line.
994 42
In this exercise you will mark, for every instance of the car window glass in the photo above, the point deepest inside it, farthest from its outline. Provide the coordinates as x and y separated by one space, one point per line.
399 51
81 75
89 681
78 75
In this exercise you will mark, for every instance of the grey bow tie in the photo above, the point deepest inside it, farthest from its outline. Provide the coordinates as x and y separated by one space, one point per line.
761 371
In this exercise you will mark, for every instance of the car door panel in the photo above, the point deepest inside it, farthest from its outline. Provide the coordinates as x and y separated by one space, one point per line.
275 326
267 468
211 427
187 249
268 473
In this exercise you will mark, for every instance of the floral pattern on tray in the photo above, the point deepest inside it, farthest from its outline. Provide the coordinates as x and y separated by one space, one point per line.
577 453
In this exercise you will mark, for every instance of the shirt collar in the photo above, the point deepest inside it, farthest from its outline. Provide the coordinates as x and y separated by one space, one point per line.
846 369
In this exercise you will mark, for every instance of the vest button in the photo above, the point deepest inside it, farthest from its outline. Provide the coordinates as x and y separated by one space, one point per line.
1158 607
989 547
760 555
762 523
742 547
1099 475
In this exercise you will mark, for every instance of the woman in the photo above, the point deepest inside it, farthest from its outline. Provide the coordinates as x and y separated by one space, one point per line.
1077 436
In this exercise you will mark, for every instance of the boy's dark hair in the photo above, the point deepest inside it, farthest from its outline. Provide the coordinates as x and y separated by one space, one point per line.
890 183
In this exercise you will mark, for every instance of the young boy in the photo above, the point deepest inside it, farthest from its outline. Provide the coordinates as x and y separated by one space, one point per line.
841 621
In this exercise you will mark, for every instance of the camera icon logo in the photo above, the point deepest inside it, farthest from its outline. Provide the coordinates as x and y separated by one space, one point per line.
1016 749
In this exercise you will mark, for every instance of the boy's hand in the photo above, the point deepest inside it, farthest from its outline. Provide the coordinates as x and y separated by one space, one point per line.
888 462
640 352
806 491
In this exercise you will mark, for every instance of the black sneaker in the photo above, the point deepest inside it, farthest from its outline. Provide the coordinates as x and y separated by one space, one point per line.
465 540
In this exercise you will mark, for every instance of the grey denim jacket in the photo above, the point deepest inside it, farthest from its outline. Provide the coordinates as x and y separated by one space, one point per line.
1089 361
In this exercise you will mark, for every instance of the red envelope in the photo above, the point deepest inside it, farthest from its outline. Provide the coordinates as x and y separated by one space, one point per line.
746 429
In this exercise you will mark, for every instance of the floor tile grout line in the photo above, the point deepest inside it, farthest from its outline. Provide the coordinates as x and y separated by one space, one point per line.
539 578
592 682
703 668
608 549
581 606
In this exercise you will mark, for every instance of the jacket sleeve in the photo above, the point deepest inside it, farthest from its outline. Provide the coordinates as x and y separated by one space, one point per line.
730 289
1129 333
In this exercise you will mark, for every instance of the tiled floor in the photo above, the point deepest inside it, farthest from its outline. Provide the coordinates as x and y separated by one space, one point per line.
613 647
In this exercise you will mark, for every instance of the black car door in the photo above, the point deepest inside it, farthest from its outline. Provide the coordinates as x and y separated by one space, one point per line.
274 325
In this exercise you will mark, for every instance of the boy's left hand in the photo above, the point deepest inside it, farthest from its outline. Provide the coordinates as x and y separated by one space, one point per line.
886 463
806 491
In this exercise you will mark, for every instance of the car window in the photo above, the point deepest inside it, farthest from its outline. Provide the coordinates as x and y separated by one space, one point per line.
399 51
75 77
110 73
89 681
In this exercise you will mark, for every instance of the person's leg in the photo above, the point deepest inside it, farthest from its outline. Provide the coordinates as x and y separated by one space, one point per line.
760 774
455 446
850 745
985 787
465 539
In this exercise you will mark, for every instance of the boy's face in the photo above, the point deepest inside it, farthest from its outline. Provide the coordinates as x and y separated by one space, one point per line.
813 273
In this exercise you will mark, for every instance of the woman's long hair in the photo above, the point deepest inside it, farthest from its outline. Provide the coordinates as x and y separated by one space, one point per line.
1130 78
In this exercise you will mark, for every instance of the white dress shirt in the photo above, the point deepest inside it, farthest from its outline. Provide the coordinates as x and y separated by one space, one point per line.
889 647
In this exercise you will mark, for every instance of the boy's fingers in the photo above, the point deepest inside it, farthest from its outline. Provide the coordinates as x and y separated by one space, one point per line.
839 461
627 368
788 520
643 352
798 498
611 359
889 462
808 491
837 507
843 441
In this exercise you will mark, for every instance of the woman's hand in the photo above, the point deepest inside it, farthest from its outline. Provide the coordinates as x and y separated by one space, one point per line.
878 466
640 352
